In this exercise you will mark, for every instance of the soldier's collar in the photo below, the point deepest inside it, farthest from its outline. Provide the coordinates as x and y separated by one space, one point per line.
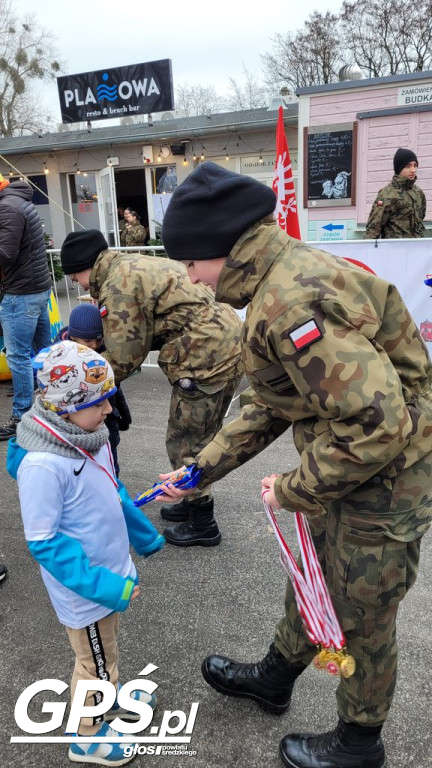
100 271
249 261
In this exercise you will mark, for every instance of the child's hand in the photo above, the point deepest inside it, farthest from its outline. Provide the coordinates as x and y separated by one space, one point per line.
267 484
135 593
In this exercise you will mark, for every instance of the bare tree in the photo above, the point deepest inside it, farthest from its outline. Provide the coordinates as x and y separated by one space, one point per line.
249 94
388 37
27 55
197 100
310 57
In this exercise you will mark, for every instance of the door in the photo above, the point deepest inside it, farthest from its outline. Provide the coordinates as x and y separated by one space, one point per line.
108 206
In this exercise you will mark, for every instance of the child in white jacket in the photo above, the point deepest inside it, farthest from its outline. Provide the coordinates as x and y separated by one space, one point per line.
78 522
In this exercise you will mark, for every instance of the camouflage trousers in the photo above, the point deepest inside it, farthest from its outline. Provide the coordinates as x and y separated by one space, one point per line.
368 574
194 419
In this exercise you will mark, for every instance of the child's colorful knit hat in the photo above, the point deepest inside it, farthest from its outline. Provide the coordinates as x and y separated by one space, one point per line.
72 377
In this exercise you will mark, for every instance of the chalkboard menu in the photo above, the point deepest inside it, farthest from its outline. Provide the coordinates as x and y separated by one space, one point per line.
330 165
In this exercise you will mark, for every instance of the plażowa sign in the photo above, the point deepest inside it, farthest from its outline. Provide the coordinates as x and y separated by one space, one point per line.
415 94
107 93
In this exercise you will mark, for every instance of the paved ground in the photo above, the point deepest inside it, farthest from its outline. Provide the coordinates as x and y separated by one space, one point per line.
195 602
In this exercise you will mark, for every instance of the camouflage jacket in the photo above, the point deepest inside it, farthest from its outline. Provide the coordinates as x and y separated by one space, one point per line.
149 303
134 234
332 350
398 211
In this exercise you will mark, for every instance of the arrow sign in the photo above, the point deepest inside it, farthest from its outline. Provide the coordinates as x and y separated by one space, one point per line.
330 227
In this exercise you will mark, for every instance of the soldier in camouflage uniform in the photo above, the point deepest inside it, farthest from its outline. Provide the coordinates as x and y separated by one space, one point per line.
400 207
133 232
332 351
149 303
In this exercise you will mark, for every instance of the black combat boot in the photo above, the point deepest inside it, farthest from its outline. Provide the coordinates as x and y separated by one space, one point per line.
8 430
348 746
199 530
182 510
268 682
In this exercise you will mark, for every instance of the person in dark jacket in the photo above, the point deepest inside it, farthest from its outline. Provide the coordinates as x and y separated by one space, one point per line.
85 327
25 288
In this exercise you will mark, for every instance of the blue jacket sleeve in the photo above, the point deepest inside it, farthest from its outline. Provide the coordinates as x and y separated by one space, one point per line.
64 558
144 537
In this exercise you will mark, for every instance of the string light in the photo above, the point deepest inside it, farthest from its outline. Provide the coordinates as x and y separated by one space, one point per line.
227 156
184 160
202 156
261 159
46 170
194 155
109 161
160 156
78 171
85 173
10 171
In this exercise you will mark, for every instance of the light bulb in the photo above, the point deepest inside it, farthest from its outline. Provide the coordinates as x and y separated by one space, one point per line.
202 156
46 171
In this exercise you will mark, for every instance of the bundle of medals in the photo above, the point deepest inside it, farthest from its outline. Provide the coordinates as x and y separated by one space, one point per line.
313 599
183 478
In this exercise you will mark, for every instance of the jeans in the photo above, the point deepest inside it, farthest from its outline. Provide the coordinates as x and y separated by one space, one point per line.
26 326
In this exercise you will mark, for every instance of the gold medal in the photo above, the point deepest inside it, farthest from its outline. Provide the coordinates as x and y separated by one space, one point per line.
335 662
347 665
319 661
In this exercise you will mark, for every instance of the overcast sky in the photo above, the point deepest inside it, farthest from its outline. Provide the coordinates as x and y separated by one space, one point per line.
208 42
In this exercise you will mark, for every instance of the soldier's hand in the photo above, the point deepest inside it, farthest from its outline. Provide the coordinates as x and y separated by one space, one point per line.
267 484
170 492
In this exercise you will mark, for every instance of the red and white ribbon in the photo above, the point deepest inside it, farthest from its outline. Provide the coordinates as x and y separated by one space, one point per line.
311 592
82 451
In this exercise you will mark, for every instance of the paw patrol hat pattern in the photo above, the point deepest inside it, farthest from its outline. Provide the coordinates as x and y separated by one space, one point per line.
72 377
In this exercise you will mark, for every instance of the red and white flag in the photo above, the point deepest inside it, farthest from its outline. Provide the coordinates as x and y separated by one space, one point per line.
283 184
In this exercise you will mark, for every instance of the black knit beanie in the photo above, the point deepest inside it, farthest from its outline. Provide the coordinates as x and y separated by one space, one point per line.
210 210
81 249
85 322
402 158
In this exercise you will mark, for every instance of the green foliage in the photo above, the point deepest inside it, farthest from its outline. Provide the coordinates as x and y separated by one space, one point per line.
54 267
157 241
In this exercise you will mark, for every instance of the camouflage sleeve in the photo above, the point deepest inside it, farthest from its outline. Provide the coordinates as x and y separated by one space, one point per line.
128 332
356 393
423 205
378 218
254 429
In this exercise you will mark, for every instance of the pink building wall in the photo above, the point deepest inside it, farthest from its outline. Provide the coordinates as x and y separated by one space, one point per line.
378 139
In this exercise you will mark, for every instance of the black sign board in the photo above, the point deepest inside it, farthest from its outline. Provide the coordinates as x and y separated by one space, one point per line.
119 92
330 165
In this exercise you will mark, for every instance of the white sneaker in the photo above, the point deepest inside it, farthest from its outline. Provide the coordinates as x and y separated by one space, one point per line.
102 753
118 711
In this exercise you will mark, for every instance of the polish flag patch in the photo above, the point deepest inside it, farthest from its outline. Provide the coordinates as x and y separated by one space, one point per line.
305 334
103 311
